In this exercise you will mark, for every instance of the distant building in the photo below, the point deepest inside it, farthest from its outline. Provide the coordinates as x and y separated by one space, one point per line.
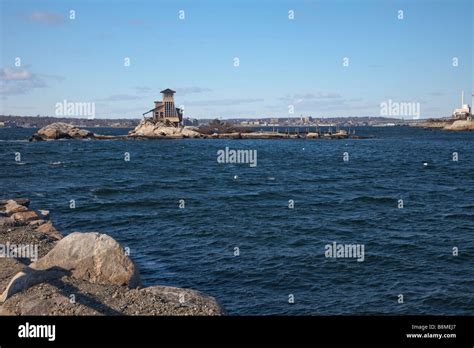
307 120
190 122
464 112
165 111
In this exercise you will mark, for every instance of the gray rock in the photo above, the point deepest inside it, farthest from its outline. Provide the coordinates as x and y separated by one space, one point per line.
12 207
21 201
25 216
29 277
94 257
150 129
61 130
48 228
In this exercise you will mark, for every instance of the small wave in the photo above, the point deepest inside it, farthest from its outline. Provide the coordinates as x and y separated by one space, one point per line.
115 205
104 191
459 216
353 221
375 200
15 141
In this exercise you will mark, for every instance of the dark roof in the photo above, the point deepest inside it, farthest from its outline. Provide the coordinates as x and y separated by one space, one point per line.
167 91
154 109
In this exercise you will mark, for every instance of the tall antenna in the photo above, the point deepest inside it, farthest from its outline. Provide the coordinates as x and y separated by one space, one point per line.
462 98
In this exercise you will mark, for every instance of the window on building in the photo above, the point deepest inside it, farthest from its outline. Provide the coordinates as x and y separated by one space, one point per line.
169 109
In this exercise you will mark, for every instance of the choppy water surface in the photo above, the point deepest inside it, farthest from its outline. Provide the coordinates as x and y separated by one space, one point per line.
407 251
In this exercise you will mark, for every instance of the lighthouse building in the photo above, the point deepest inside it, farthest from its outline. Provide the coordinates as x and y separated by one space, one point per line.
165 111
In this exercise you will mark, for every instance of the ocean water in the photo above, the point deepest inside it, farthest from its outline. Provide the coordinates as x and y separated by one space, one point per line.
408 251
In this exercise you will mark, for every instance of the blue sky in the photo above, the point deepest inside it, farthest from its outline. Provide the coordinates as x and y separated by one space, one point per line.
283 62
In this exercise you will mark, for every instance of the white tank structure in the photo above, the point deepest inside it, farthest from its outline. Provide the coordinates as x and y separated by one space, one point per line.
464 112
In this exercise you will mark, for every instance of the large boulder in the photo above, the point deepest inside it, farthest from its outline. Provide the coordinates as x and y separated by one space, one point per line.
12 207
48 228
190 132
94 257
144 128
312 135
150 129
61 130
21 201
25 216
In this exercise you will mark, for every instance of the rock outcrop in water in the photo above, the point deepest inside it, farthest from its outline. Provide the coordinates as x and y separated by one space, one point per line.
80 274
149 129
158 130
460 125
61 130
447 125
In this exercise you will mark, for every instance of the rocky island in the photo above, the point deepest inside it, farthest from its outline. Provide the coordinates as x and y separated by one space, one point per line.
447 124
61 130
43 272
165 121
148 129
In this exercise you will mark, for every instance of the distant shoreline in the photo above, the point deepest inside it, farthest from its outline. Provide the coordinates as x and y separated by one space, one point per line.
349 121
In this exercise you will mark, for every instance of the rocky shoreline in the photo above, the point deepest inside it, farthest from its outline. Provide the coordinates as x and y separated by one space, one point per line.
446 125
44 273
149 130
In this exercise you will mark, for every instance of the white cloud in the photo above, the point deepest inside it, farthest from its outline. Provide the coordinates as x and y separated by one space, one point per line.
15 81
48 18
191 90
225 102
11 74
142 89
120 97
